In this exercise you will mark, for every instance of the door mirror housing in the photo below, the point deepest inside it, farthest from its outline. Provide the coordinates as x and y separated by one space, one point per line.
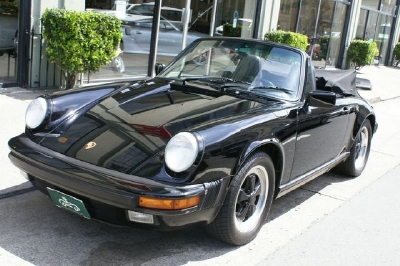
158 68
319 98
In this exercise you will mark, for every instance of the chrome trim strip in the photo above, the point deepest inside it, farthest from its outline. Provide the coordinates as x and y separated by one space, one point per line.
303 179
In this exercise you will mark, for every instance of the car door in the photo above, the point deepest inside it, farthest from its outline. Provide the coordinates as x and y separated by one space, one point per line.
169 39
321 131
142 34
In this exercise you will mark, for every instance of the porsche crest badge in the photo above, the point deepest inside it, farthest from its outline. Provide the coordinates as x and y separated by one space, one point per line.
90 145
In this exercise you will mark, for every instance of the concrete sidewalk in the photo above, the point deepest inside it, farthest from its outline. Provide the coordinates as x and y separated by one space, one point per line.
13 102
363 231
385 83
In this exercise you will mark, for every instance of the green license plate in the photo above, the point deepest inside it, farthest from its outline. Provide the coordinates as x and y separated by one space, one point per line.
67 202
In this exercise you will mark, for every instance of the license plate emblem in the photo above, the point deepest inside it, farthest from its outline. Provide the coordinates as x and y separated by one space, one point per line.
68 202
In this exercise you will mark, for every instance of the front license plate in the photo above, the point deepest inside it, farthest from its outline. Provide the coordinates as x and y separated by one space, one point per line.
67 202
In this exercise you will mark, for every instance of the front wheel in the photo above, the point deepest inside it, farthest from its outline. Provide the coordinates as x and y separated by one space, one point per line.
247 202
359 153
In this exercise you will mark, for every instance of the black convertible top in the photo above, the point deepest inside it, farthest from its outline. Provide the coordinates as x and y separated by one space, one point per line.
337 81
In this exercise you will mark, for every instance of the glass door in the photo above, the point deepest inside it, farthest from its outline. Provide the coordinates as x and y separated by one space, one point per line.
132 60
235 18
8 41
335 34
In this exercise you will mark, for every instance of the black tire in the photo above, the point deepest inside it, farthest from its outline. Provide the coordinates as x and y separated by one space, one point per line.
359 152
247 203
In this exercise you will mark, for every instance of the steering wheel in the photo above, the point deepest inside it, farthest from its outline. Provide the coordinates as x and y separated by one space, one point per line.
200 60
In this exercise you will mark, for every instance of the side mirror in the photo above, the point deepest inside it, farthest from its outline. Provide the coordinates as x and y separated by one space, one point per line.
158 68
321 98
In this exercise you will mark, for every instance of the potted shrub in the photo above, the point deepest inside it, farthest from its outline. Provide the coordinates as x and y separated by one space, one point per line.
80 42
293 39
396 53
361 53
323 46
238 31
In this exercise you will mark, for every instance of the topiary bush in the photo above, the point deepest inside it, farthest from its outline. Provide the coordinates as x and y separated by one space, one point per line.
230 31
80 42
396 53
323 46
361 53
293 39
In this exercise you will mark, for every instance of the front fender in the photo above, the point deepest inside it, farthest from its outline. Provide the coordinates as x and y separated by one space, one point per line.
274 148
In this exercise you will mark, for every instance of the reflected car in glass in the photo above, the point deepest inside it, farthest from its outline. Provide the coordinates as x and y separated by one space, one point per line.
223 130
136 36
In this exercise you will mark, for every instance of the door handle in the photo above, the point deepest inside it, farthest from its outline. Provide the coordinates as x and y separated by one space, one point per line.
345 110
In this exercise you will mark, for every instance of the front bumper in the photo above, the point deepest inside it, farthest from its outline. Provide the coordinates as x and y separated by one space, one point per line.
110 194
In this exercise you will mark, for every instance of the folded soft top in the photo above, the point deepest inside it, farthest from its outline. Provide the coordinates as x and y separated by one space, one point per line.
337 81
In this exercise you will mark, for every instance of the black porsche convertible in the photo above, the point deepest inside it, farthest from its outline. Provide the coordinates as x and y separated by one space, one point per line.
224 129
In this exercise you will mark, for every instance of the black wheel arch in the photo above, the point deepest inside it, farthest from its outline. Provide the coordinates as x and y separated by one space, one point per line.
274 150
361 120
372 119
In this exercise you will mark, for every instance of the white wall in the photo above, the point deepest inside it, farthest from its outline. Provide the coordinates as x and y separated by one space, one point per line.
270 15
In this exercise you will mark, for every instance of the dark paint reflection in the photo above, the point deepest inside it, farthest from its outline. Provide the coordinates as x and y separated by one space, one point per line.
132 128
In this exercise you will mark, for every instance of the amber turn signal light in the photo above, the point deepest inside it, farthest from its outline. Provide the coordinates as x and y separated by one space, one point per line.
168 204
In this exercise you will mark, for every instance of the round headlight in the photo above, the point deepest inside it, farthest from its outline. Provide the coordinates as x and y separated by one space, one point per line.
181 152
36 113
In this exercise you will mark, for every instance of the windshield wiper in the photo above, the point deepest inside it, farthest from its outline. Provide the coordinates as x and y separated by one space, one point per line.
245 93
260 88
223 81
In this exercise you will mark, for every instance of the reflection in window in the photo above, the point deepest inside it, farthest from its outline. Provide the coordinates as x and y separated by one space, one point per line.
324 35
388 6
288 15
361 25
371 3
235 18
8 40
335 36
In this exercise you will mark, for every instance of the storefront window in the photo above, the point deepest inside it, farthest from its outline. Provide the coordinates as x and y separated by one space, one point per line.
235 18
361 24
388 6
8 41
136 29
308 15
338 19
371 26
375 25
382 35
288 15
371 3
324 35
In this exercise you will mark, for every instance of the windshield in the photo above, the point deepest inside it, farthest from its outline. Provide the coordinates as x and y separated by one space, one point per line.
265 68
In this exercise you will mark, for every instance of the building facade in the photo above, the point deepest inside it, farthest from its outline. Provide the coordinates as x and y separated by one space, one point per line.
330 26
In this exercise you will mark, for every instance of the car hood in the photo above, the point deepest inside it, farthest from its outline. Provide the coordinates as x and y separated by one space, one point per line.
129 129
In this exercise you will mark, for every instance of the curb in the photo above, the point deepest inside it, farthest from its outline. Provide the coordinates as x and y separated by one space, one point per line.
374 100
16 191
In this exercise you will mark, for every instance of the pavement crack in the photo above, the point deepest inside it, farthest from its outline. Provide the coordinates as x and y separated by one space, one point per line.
383 153
322 194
